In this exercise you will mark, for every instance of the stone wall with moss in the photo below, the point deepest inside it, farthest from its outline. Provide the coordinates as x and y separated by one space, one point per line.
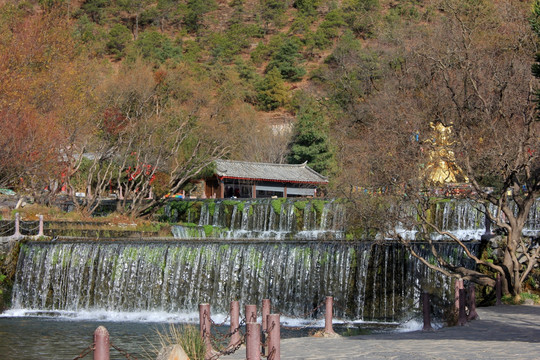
281 214
9 251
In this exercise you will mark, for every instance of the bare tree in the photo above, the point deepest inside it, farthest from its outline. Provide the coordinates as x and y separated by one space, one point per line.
469 76
138 136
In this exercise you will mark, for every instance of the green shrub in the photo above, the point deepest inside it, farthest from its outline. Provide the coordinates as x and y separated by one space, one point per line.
154 46
195 11
2 279
300 205
271 91
211 207
119 37
277 204
286 60
208 230
94 9
529 296
361 16
264 52
308 7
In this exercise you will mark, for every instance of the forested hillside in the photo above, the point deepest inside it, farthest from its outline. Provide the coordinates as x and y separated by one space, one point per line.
152 90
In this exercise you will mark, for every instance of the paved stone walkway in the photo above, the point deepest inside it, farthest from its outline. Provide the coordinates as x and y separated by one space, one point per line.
502 332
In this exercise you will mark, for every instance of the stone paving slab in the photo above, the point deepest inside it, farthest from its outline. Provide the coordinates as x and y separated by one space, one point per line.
502 332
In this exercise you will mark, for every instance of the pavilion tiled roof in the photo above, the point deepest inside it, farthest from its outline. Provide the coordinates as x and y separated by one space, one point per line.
296 173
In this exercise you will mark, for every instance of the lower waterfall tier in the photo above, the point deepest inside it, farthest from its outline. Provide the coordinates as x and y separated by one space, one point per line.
369 281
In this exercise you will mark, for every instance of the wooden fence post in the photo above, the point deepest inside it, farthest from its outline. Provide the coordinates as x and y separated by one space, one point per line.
102 344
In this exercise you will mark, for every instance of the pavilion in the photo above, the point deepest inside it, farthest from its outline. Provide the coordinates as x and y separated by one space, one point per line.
242 179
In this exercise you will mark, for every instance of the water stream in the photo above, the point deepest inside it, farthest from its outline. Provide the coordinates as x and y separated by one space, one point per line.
369 281
294 253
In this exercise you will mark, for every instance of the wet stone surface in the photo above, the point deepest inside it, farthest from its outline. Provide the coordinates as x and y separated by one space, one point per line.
503 332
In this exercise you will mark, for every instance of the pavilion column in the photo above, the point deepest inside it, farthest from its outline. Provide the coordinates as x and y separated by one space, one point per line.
221 189
284 191
254 191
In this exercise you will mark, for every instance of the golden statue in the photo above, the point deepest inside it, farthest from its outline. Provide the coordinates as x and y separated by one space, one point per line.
441 168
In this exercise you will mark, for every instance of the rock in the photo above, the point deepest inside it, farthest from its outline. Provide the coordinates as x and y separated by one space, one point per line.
173 352
528 302
322 333
495 241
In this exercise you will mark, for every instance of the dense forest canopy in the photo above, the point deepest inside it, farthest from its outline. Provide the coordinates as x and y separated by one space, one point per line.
92 89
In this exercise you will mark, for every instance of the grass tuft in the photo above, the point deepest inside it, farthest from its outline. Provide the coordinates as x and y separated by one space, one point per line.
187 336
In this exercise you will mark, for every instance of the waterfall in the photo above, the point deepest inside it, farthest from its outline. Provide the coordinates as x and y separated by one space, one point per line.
466 220
211 260
368 280
279 219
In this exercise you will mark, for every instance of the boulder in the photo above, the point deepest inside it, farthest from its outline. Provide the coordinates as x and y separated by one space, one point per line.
173 352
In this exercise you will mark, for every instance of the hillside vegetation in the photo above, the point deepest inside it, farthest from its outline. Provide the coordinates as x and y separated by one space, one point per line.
151 91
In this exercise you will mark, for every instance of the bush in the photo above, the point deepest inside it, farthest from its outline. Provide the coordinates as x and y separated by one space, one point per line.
286 61
119 37
157 47
520 299
328 30
308 7
195 11
271 91
264 52
361 16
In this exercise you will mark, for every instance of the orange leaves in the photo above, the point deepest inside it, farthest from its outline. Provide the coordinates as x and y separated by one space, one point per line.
160 76
27 145
40 76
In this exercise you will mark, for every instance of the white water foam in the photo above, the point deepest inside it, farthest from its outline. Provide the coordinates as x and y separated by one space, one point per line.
114 316
416 325
185 318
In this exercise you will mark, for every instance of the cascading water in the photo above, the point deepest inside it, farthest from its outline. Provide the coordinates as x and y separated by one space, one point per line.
212 261
277 219
466 220
369 281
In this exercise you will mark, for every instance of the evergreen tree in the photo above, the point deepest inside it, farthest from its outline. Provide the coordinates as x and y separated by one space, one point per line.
271 91
286 61
311 140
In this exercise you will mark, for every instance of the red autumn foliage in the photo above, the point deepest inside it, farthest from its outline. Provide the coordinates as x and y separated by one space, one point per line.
114 121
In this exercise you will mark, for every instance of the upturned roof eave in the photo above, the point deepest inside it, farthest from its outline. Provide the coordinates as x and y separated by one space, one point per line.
324 182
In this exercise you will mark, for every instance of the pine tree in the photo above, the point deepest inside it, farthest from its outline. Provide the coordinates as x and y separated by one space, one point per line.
311 140
271 91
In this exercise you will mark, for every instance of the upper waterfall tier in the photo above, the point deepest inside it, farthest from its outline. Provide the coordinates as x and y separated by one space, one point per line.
467 220
314 219
259 219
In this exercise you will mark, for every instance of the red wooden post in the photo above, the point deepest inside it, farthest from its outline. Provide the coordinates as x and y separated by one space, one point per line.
498 289
251 313
221 190
102 344
265 312
473 315
274 334
328 315
253 341
426 311
457 285
462 317
266 305
235 324
205 328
